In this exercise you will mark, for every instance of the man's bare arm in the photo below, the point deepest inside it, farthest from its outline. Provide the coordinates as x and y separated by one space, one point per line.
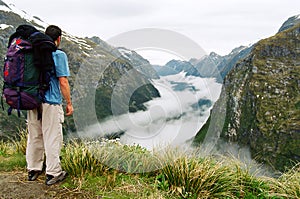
66 93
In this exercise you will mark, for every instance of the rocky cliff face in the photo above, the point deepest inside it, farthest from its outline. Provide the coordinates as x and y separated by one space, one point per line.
262 105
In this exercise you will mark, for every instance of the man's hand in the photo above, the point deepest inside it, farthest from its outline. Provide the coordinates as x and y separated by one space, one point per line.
69 110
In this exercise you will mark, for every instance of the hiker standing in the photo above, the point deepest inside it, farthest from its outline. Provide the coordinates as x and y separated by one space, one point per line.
45 136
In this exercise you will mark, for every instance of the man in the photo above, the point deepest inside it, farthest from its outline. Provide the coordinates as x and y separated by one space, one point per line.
45 136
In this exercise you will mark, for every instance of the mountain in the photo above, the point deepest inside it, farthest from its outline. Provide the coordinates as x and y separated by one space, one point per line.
210 66
292 21
175 67
216 66
207 65
97 71
259 106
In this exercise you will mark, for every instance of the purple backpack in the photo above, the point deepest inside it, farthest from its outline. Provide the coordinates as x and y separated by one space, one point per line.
27 69
21 77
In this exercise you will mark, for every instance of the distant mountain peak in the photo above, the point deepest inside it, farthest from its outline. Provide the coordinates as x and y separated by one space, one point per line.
238 49
290 22
213 54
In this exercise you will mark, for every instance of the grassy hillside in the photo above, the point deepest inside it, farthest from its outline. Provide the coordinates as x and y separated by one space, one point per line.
108 169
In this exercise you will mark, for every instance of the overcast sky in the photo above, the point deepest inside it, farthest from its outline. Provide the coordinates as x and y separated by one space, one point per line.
215 25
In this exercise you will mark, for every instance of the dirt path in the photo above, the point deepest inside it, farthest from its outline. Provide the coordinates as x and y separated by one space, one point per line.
14 185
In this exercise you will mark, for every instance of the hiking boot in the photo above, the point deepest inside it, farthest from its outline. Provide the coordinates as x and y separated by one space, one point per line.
33 175
50 180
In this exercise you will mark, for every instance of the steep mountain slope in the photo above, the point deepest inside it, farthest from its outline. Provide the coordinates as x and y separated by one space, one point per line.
262 101
96 67
142 65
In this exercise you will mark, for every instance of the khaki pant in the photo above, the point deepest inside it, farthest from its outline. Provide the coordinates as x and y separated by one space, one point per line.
45 138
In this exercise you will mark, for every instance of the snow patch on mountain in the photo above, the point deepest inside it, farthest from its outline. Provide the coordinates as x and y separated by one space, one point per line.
4 26
41 25
9 7
125 53
81 42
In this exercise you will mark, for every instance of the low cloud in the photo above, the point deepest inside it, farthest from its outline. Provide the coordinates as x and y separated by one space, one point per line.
171 119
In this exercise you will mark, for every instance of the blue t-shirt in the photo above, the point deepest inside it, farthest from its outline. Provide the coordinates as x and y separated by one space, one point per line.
53 95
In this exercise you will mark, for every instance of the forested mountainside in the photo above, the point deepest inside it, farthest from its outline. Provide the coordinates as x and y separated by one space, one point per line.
261 101
102 62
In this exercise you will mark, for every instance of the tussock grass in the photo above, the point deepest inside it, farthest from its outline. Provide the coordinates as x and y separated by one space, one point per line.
99 156
77 160
12 153
194 178
15 144
287 185
110 169
21 142
4 148
124 158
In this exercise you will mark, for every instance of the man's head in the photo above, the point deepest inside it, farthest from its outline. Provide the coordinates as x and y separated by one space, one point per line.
55 33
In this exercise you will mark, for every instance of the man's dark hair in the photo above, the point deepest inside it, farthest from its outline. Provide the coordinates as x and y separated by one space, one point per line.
53 31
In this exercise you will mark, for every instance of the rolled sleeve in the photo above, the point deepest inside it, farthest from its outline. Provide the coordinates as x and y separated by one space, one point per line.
61 64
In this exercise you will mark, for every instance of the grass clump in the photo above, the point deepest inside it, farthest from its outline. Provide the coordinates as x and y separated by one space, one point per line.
191 177
4 148
77 160
287 185
246 184
11 156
